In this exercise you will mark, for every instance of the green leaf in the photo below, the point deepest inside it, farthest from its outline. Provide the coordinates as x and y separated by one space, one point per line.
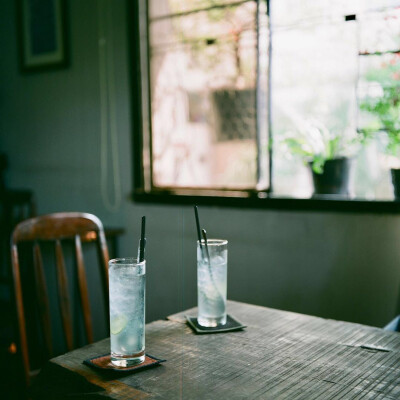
297 147
318 164
386 108
332 148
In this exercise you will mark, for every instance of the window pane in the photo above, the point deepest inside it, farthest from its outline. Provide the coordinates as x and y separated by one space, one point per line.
164 8
311 87
379 87
203 69
292 12
379 31
377 74
323 70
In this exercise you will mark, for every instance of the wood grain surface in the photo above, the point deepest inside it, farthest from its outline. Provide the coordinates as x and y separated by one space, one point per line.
281 355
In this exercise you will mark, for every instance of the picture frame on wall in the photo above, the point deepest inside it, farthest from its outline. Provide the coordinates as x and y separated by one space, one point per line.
42 32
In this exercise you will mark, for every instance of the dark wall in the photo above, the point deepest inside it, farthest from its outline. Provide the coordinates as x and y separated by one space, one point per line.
343 266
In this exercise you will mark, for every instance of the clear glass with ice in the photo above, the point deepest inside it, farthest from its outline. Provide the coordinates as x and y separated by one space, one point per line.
212 282
127 285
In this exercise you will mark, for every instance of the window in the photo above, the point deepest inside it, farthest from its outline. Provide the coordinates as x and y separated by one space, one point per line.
227 87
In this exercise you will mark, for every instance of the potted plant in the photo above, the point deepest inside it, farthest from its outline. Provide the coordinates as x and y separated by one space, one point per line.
325 153
385 107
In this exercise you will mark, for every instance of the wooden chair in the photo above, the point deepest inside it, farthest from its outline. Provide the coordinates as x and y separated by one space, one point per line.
56 228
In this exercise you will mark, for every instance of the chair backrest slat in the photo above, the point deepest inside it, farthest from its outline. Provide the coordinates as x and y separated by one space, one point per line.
20 311
57 227
63 295
42 297
103 257
83 290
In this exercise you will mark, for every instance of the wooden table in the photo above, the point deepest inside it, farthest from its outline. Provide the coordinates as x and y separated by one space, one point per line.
281 355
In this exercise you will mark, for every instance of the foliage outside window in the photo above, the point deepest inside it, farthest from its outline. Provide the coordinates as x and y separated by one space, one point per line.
205 90
385 107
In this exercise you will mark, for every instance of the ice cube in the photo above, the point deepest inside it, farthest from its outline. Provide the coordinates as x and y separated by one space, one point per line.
217 260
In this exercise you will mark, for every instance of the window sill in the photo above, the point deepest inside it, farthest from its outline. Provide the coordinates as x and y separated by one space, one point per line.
252 200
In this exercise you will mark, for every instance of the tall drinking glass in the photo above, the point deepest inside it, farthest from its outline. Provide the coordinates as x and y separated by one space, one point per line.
212 282
127 283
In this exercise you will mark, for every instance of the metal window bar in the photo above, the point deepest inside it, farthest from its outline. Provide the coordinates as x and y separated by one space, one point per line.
165 47
257 99
319 19
148 179
196 10
379 53
269 110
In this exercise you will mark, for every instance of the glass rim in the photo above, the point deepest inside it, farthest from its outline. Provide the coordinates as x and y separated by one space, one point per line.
214 242
126 261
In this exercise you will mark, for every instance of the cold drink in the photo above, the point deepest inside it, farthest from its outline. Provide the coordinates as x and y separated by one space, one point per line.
212 282
127 282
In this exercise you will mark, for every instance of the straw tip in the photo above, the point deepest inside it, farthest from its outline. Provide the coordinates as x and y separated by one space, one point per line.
142 241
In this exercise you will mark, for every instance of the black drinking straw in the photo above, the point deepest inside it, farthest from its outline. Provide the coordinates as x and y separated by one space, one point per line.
196 213
203 231
142 242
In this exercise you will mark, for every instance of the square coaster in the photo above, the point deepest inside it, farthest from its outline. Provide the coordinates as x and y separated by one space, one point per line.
231 325
104 363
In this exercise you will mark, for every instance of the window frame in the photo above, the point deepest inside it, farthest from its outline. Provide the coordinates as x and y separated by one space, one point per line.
249 198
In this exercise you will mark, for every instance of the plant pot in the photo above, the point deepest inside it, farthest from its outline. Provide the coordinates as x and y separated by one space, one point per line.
334 179
396 183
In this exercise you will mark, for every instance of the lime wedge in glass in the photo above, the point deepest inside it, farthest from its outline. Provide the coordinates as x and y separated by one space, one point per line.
118 323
